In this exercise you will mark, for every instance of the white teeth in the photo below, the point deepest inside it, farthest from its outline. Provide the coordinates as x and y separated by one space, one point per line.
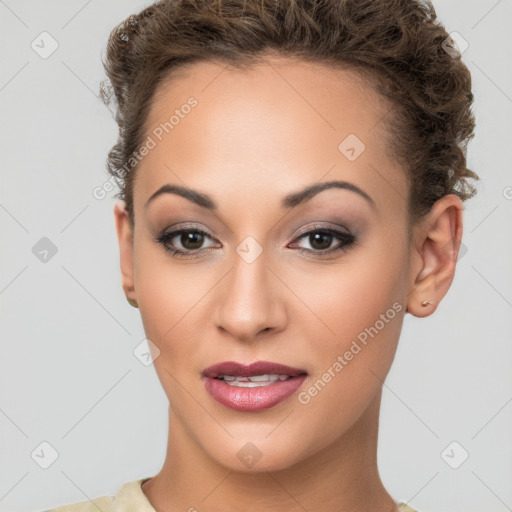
263 378
240 384
253 381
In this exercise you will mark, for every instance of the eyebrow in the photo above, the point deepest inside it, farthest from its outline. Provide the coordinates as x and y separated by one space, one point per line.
289 201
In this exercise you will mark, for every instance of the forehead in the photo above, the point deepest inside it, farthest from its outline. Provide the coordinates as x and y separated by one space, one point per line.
275 125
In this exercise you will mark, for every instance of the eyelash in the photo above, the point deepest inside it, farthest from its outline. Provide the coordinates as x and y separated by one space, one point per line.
348 241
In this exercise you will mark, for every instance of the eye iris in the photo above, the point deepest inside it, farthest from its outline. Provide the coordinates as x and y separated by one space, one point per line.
318 236
192 237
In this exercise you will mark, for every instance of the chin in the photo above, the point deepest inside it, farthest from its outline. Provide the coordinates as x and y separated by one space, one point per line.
252 454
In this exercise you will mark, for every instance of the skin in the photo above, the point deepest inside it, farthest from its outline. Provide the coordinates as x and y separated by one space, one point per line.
255 136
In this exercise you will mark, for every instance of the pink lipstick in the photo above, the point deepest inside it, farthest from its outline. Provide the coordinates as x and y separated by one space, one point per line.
252 387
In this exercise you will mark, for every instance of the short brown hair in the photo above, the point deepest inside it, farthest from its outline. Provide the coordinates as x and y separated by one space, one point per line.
397 45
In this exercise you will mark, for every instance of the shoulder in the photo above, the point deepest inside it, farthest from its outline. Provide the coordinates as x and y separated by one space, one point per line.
103 503
129 497
404 507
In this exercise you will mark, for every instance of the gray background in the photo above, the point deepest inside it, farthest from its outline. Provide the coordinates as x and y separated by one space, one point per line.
69 375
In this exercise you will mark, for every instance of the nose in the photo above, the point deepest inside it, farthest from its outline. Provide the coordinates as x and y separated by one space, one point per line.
250 300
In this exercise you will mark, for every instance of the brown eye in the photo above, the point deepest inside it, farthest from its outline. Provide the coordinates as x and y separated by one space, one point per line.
184 242
194 238
320 241
321 238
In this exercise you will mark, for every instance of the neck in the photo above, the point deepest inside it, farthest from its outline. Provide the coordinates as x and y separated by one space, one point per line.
343 477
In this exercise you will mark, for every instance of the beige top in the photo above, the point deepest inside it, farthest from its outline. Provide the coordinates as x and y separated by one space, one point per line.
130 498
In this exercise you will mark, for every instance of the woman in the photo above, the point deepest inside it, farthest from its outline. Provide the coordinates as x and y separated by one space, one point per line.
292 177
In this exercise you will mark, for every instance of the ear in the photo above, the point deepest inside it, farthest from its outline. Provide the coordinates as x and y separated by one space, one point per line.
436 247
125 239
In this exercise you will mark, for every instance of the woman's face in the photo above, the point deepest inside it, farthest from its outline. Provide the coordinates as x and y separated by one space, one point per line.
270 280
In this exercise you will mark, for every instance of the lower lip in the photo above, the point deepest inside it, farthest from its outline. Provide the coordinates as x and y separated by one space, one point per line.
253 399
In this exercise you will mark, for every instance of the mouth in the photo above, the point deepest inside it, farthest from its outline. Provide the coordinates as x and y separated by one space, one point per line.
252 387
253 382
259 368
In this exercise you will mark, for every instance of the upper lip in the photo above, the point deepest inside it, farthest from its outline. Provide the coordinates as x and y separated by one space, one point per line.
249 370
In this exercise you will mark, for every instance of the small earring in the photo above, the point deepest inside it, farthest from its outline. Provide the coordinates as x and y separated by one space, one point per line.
426 303
132 302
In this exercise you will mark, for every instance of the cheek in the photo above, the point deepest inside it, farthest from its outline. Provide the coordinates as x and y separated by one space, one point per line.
356 331
348 368
359 314
350 296
166 294
166 301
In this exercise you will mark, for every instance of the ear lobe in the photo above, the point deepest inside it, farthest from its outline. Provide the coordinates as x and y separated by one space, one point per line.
125 240
437 243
